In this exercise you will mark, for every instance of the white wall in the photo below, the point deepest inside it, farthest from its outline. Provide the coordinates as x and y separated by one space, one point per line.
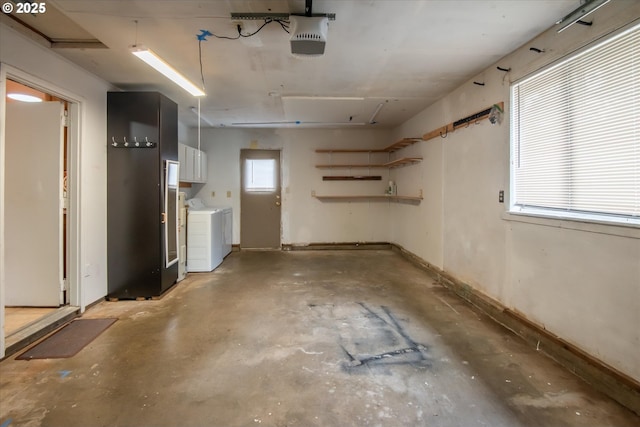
55 72
579 281
305 219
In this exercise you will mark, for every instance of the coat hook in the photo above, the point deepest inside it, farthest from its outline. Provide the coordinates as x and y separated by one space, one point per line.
113 141
536 50
135 140
126 143
446 133
506 70
478 83
148 143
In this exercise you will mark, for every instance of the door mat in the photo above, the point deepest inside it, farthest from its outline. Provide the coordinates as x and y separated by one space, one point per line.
69 340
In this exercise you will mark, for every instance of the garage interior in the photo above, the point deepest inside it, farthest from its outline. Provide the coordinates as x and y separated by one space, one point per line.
400 280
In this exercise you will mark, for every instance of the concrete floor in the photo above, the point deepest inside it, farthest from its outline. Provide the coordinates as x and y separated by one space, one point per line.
326 338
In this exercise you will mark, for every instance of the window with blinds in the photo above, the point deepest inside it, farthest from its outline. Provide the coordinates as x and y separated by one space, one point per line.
575 135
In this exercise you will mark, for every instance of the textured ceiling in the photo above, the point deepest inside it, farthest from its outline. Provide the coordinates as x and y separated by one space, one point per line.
401 54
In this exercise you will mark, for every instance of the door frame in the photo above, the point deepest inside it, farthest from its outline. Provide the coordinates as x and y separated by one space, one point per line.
280 181
8 72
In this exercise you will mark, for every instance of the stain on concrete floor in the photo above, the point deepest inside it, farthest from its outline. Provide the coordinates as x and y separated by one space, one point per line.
327 338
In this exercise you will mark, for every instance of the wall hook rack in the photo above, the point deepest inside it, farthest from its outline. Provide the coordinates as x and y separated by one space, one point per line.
136 144
444 131
472 118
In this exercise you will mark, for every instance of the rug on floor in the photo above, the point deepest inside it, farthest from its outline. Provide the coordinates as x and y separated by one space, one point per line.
68 340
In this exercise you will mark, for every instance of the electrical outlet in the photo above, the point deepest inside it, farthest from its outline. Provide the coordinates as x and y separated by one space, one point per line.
501 196
238 25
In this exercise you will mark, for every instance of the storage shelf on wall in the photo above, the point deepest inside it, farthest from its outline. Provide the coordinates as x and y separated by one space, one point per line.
392 164
404 142
371 197
402 161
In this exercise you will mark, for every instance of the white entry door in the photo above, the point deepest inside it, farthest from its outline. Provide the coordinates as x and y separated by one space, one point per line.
33 204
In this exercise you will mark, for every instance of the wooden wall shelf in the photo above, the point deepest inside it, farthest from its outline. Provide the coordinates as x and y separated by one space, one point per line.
352 178
372 197
392 164
403 161
404 142
445 130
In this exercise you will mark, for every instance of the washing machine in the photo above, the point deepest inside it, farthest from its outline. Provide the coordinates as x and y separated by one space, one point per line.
227 228
205 236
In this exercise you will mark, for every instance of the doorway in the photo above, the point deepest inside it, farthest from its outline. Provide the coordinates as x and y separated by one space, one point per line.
36 203
260 199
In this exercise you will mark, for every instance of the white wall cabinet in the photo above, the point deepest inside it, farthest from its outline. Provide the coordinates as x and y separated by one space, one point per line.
186 174
199 166
193 164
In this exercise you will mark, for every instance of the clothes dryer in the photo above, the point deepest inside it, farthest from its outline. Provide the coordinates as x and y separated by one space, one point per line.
205 237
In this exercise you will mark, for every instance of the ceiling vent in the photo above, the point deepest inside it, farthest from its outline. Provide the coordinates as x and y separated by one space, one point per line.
309 35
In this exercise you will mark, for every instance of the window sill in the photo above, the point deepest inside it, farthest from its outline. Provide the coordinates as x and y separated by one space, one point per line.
630 230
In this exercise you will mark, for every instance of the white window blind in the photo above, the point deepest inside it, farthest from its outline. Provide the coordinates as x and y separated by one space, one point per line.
260 175
575 133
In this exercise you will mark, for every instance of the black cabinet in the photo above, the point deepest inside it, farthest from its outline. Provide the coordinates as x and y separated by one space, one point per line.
142 139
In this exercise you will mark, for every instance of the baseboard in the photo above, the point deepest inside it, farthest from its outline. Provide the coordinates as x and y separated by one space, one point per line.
604 378
337 246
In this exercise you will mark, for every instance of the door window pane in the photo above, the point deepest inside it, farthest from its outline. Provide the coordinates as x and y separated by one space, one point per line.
260 175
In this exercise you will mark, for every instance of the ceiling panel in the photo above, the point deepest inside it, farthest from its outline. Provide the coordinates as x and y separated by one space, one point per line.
405 53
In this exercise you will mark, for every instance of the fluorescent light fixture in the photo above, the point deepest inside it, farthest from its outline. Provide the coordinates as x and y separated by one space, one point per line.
586 7
323 98
23 97
167 70
289 124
